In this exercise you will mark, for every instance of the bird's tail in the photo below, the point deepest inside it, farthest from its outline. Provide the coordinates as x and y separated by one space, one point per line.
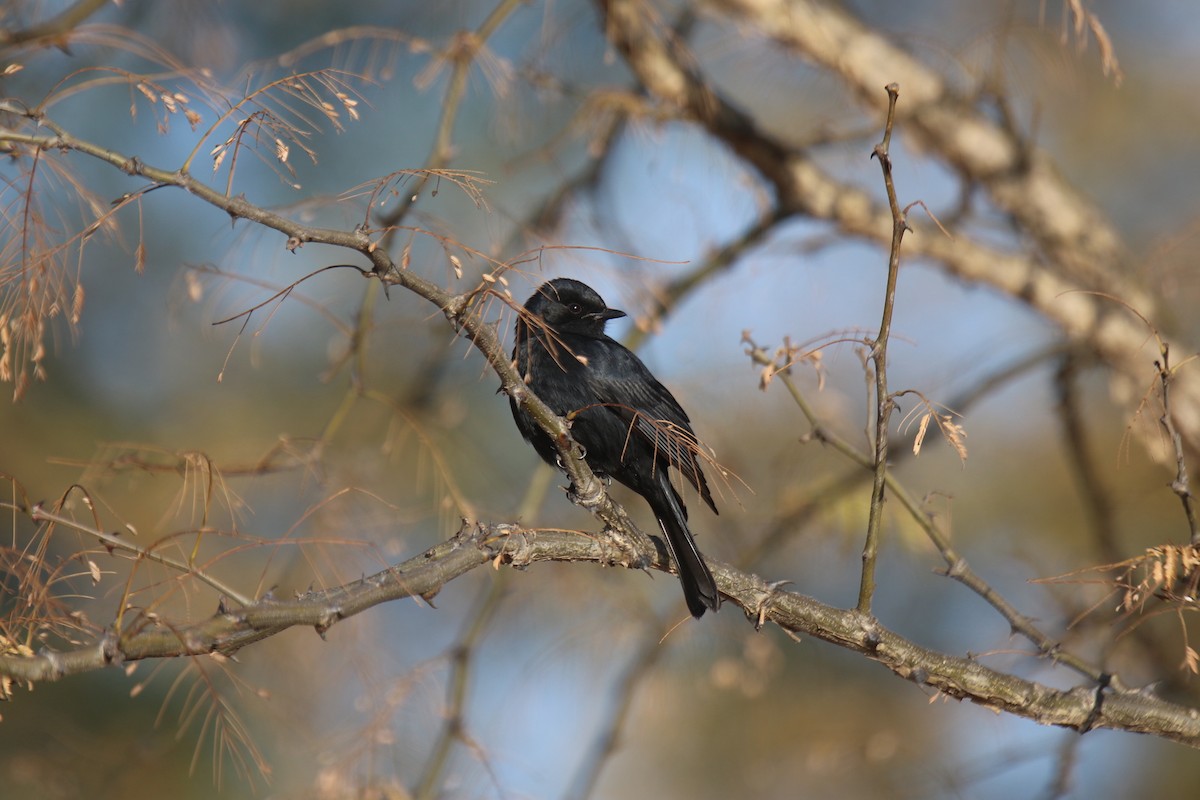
699 587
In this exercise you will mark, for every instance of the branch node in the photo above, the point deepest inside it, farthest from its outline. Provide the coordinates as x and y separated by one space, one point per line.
110 649
622 551
329 618
1097 706
516 549
471 534
758 611
957 569
454 306
589 496
871 635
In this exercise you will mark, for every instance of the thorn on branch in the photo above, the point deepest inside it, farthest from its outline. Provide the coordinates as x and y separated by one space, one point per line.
472 533
454 308
870 628
331 617
880 152
516 550
589 497
758 611
516 392
109 648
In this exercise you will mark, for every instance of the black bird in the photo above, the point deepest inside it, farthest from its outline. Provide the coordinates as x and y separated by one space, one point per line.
630 427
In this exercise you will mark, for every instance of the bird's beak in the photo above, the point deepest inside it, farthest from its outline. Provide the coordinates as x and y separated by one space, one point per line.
609 313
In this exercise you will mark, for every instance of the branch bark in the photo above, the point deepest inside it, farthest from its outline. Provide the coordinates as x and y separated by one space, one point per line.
1082 708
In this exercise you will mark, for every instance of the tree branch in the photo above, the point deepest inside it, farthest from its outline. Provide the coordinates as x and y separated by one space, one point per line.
56 28
1081 708
1083 249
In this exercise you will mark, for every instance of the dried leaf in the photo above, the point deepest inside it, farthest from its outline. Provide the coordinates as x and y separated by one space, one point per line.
955 434
77 304
766 376
921 429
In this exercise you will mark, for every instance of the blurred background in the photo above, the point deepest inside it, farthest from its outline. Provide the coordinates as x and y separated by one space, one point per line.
262 448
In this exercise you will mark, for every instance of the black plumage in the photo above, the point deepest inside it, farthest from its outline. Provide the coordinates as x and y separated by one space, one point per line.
630 426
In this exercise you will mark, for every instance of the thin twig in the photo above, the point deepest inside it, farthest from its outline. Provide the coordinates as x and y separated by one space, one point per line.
1181 485
956 565
111 540
1097 497
461 52
608 737
883 401
461 661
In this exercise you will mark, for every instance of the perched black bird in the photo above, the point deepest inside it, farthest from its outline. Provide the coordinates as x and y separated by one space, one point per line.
630 427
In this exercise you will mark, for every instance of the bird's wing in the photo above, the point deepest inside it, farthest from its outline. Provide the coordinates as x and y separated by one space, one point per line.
622 383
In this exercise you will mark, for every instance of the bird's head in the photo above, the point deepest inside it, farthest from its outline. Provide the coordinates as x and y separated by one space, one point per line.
569 306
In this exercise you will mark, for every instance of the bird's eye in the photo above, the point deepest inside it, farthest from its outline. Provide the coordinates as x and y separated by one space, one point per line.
575 308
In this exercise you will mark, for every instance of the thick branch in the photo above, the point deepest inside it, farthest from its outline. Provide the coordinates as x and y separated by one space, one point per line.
1022 181
55 29
1080 252
425 575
